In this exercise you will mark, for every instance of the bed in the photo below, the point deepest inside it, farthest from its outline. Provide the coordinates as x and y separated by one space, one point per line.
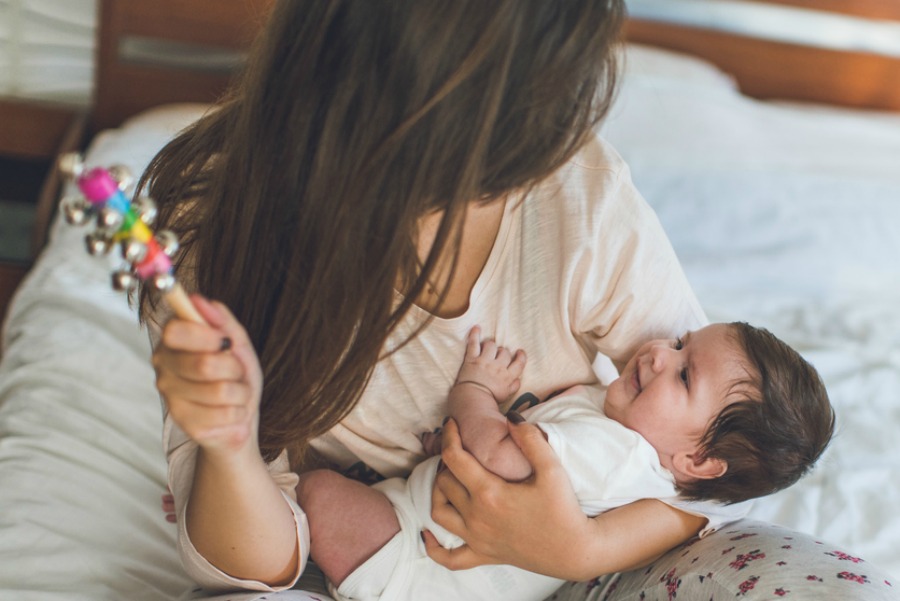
783 206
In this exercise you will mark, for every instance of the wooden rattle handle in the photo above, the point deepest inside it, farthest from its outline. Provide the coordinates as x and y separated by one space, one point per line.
181 304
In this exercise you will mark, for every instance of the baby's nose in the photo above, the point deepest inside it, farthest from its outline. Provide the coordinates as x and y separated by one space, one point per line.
658 356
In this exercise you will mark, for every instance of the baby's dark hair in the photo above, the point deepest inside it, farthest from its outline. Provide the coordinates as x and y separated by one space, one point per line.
776 432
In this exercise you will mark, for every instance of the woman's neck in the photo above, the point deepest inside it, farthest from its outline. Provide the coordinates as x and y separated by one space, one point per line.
480 229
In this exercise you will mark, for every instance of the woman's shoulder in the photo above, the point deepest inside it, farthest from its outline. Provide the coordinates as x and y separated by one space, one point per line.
592 189
597 155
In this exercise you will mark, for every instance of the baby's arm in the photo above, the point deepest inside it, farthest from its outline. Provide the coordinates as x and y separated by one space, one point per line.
489 375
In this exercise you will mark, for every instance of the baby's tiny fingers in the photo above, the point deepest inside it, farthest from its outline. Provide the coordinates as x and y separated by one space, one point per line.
518 363
473 342
504 356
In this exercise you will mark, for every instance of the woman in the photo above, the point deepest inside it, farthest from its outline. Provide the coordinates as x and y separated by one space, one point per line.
386 175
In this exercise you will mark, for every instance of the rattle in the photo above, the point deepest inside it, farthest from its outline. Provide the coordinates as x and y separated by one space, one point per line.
126 224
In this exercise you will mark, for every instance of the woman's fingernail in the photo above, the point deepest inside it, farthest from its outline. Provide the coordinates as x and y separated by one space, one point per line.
225 344
515 417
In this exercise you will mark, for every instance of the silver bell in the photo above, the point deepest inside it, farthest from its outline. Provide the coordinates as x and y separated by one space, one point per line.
122 175
163 281
98 243
124 281
110 219
145 207
134 251
76 210
168 241
71 164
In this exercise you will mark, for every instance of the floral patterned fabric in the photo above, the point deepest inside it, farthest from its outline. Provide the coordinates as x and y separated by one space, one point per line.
747 561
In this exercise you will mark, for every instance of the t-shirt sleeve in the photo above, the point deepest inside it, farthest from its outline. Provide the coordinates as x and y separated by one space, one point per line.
181 453
717 514
633 288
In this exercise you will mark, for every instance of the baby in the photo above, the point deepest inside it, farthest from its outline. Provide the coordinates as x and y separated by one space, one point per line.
727 413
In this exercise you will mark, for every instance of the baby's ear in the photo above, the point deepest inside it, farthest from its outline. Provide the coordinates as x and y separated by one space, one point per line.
698 467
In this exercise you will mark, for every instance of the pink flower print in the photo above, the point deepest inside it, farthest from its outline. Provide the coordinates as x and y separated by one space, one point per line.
728 550
844 557
781 592
672 583
781 563
813 578
742 560
743 536
787 547
859 578
747 585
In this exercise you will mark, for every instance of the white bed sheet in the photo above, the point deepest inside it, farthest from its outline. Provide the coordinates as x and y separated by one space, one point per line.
782 216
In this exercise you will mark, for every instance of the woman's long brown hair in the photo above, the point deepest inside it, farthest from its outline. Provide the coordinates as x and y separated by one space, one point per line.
297 201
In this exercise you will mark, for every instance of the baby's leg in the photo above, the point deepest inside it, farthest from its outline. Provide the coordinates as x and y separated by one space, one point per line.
348 521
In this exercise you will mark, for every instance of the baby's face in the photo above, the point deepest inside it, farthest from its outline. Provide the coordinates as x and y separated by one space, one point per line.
671 390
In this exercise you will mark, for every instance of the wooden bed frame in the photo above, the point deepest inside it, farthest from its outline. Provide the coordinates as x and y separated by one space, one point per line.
126 86
773 70
764 69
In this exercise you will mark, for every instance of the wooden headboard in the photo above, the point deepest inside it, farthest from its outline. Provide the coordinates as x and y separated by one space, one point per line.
151 52
769 69
129 80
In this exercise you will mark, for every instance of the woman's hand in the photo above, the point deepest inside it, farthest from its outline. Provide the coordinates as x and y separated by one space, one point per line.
210 378
521 523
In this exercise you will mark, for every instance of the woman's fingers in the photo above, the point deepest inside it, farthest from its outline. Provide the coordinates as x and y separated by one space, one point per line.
198 366
448 496
199 420
460 558
534 446
468 471
209 376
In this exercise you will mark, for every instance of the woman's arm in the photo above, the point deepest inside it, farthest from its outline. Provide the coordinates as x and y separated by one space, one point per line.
537 524
236 516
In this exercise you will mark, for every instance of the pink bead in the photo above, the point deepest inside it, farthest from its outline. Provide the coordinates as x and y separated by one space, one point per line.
97 185
152 265
156 262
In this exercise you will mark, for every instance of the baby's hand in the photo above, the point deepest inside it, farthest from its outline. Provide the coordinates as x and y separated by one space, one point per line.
432 442
492 367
